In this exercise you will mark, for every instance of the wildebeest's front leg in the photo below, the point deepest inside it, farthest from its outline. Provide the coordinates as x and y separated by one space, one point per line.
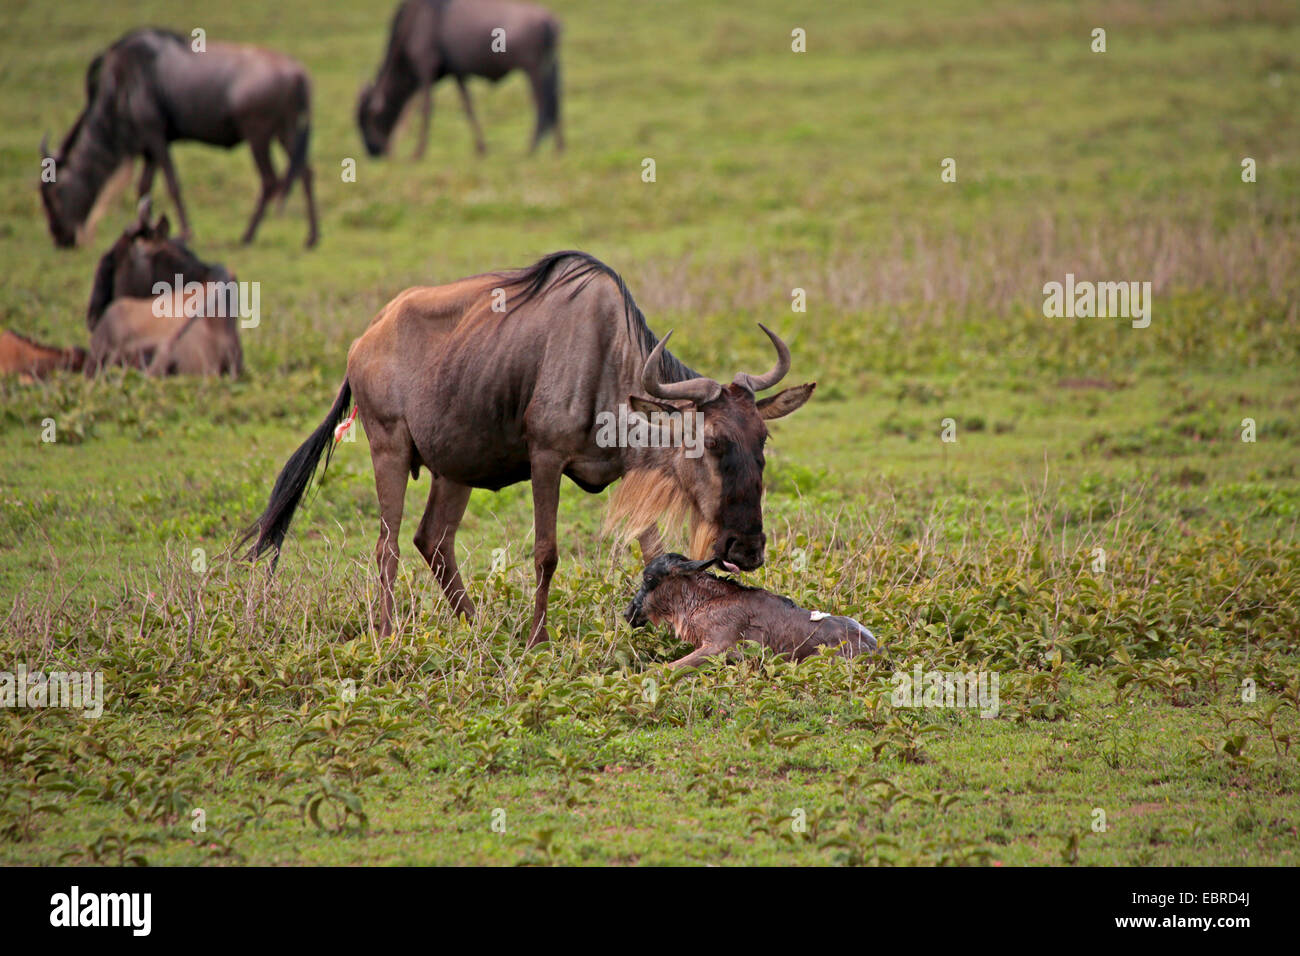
547 469
173 187
480 146
436 539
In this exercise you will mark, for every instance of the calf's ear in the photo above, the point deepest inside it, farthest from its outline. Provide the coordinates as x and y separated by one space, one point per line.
783 403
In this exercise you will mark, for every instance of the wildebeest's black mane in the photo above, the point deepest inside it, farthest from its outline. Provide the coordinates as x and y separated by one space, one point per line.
537 280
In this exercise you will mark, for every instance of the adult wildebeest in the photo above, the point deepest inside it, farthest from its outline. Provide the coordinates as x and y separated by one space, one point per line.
715 614
430 39
132 333
21 356
149 89
485 397
144 255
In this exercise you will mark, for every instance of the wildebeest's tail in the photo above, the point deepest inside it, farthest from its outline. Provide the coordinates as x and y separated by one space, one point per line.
301 138
294 478
548 106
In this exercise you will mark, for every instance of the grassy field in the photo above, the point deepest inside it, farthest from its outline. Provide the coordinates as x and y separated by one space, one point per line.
1099 536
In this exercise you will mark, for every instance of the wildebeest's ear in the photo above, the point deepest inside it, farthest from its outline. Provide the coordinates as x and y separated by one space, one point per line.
783 403
648 406
163 229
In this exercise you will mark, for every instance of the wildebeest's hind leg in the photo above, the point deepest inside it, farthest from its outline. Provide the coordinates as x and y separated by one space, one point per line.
436 540
390 454
261 148
547 468
480 145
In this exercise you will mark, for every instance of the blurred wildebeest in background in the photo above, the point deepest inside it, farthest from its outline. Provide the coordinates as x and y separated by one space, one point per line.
430 39
571 346
21 356
150 89
715 614
144 255
132 333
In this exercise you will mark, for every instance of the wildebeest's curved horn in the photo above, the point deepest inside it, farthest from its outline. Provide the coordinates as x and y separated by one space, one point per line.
144 208
757 383
45 146
698 390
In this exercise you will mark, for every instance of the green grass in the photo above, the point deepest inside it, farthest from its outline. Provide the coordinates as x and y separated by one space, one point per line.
1121 689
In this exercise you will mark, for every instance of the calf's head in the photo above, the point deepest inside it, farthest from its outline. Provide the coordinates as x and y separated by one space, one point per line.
145 254
720 486
654 600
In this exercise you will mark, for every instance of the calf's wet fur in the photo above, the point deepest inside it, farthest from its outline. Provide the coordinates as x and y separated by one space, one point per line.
715 614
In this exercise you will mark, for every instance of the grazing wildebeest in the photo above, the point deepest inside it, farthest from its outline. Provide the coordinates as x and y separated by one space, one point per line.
715 614
144 255
21 356
485 397
150 89
132 333
430 39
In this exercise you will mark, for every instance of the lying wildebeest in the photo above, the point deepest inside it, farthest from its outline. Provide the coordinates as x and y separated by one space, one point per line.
430 39
144 255
715 614
21 356
149 89
485 397
131 333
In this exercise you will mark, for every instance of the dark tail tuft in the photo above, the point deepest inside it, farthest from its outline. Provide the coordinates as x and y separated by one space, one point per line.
301 141
294 478
549 107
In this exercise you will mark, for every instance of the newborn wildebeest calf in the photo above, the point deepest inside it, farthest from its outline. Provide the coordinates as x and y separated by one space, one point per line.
715 614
